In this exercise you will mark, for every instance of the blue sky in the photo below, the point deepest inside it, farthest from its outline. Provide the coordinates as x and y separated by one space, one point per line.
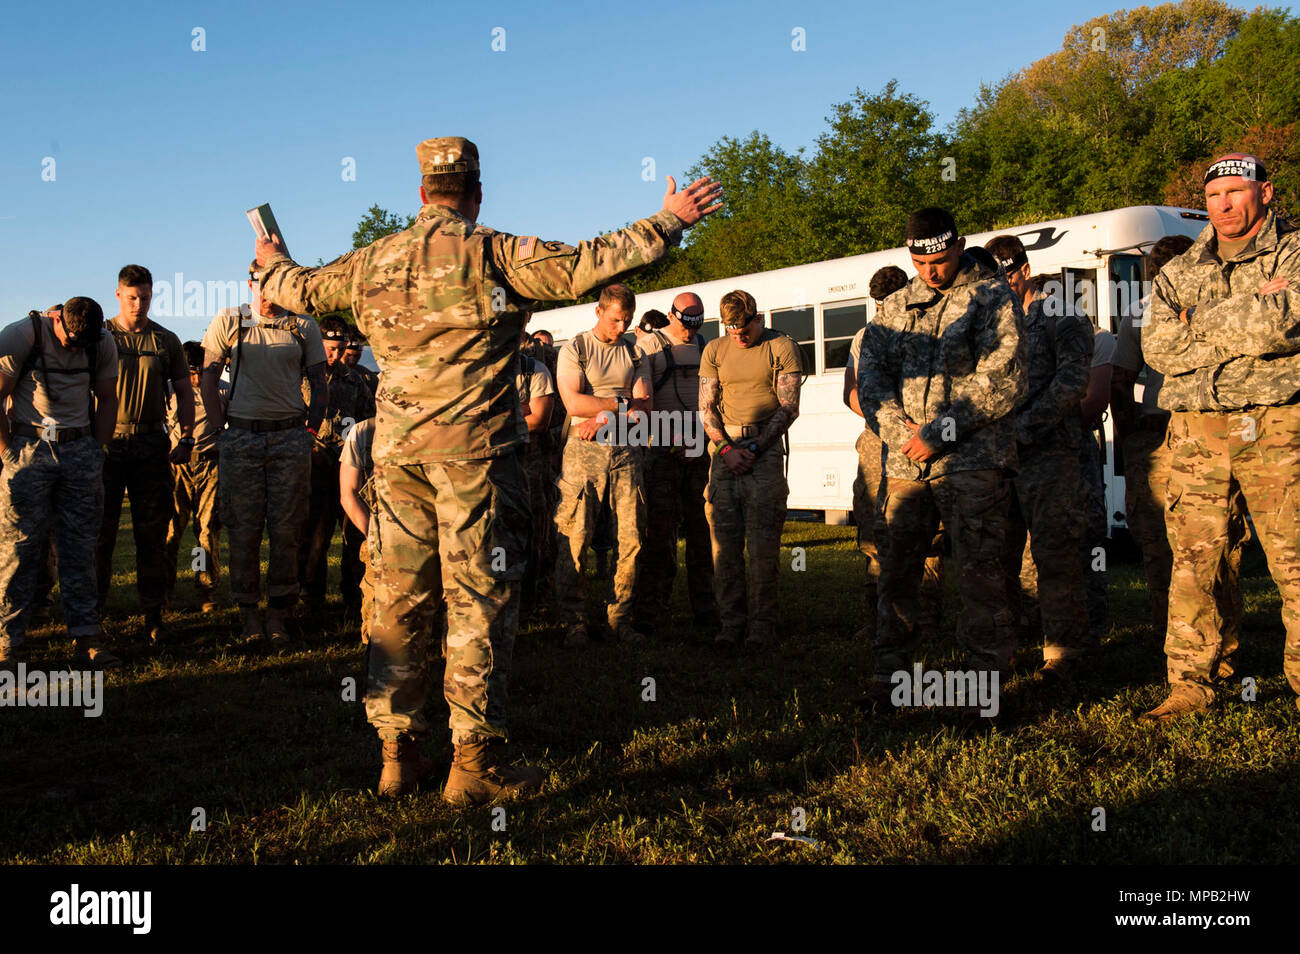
158 149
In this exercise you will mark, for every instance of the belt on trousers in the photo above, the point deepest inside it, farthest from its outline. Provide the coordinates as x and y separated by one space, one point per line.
132 430
61 434
257 427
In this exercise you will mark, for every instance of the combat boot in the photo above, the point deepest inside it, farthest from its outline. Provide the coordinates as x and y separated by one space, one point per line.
90 652
1182 701
577 635
878 699
277 624
155 631
480 774
405 766
1058 671
252 618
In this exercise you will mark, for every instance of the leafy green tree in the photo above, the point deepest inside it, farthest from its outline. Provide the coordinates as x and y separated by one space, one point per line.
378 222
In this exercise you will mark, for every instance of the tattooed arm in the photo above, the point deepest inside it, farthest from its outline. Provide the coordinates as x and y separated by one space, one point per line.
710 410
787 392
319 395
214 362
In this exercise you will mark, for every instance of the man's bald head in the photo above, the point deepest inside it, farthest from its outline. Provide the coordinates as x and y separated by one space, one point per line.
1237 195
687 315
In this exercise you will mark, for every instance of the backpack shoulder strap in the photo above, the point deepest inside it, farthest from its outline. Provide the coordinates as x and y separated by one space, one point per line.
670 364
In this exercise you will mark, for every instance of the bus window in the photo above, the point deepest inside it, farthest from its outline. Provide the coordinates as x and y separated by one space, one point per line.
798 323
840 322
709 331
1080 288
1126 287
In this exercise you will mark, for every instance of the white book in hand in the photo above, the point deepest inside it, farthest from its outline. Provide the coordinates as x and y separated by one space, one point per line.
263 221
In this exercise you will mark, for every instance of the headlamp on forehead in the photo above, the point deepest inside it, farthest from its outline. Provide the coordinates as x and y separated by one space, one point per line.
334 335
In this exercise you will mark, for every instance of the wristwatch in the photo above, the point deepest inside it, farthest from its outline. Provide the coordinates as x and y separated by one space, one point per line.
187 441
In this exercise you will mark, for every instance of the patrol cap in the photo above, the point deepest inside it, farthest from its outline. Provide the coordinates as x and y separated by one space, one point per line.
930 231
447 154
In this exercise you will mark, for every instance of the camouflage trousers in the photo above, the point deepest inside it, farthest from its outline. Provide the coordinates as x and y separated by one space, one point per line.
194 499
746 515
1146 479
595 475
457 529
539 578
1213 455
866 490
674 490
59 485
324 513
1046 508
137 466
264 479
973 505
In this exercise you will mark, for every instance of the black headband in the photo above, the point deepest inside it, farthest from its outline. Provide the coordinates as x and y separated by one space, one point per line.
1246 168
932 244
1015 261
334 335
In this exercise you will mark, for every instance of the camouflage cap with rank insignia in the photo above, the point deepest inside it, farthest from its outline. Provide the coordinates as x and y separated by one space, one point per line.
447 154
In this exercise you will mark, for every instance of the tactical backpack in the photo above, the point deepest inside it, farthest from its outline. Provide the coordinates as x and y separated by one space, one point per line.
237 350
37 357
670 369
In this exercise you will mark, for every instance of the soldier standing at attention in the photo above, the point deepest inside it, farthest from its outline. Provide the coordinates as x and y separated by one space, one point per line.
264 455
141 455
1221 329
866 488
941 373
1047 501
602 377
749 397
195 490
537 399
348 400
675 481
56 374
447 442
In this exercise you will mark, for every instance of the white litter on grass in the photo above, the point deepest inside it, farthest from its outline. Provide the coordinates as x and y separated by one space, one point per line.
782 836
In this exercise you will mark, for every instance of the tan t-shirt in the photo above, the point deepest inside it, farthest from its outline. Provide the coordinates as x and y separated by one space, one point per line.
611 369
205 435
266 369
747 376
67 401
681 389
534 384
146 362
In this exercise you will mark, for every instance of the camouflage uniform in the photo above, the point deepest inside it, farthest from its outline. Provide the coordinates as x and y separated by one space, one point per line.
194 498
594 476
1047 494
952 361
137 464
348 400
1231 381
447 438
52 486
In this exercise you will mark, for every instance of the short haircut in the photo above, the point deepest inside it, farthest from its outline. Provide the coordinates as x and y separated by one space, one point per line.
57 306
1009 251
333 325
653 320
737 308
930 222
193 355
1164 251
620 295
457 184
134 276
83 319
542 331
886 281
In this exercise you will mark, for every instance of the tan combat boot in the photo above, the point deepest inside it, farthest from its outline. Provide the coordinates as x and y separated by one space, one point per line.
154 630
405 766
479 774
1182 701
252 618
90 652
277 624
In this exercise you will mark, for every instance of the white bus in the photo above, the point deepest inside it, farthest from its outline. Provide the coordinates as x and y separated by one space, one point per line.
822 305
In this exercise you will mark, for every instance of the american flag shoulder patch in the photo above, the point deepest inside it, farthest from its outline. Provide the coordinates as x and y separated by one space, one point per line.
525 248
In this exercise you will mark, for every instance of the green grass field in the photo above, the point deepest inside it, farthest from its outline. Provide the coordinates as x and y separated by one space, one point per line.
731 747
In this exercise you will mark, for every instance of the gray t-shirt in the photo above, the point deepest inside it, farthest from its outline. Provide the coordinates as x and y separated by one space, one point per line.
67 400
267 367
1128 355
